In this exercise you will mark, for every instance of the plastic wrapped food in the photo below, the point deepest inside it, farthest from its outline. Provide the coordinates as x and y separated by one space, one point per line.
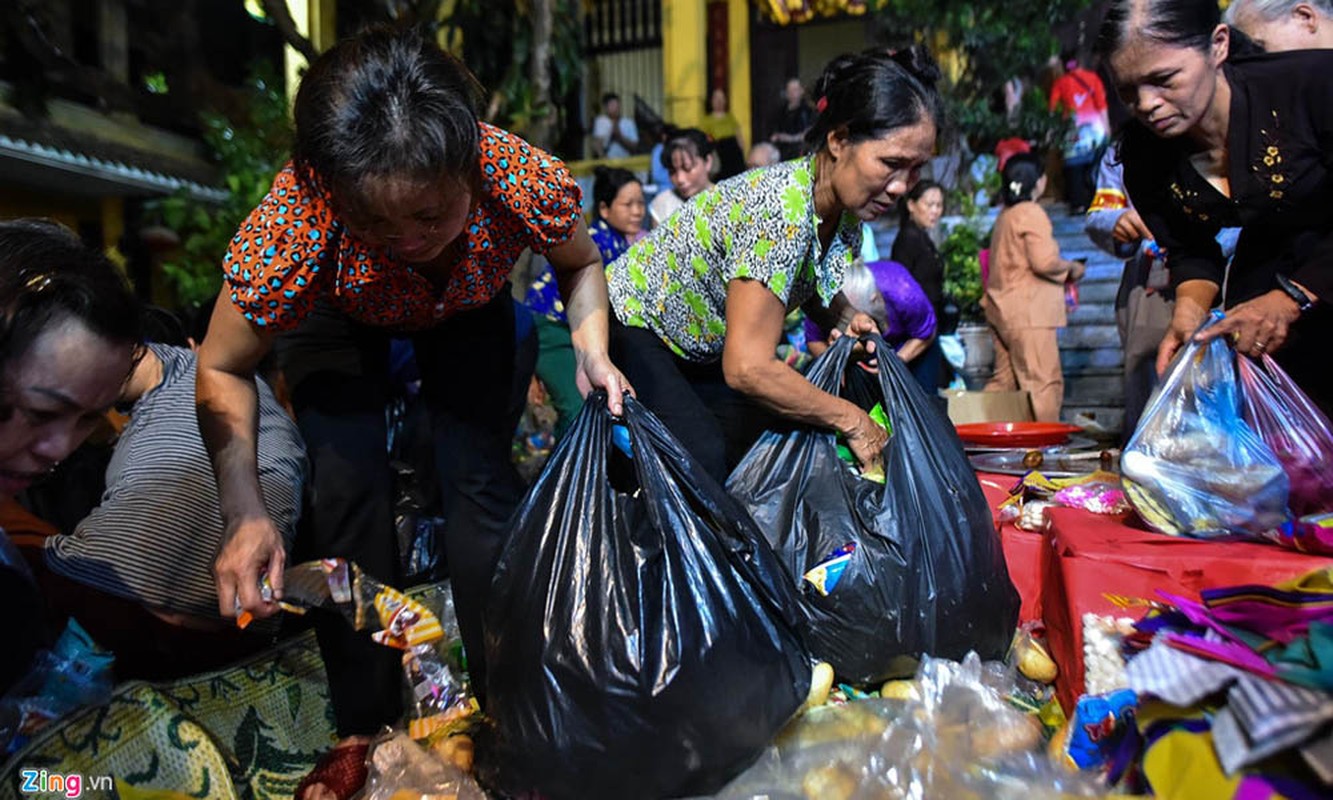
401 769
1194 467
958 736
1295 429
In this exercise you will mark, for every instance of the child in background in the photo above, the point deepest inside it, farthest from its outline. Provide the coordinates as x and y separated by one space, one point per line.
1025 298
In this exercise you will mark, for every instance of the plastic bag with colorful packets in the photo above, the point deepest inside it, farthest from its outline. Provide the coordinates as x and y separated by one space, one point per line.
885 571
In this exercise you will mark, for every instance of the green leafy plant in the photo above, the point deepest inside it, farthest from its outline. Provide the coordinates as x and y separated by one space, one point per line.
961 253
248 153
498 43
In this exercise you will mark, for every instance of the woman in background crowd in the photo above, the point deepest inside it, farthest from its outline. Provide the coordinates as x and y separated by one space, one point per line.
725 130
919 214
1025 297
691 160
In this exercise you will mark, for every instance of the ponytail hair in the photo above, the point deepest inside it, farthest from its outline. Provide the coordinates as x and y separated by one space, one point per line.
1019 177
870 93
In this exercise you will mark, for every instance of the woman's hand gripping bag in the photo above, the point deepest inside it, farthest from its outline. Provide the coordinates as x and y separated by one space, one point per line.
1193 466
883 573
1294 428
639 636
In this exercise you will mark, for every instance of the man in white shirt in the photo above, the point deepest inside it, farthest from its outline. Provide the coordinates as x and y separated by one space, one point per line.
613 136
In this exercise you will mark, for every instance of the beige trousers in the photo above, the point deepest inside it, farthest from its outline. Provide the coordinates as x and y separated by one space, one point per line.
1029 359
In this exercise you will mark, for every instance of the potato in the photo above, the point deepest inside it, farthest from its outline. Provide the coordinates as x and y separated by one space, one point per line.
1035 663
821 683
833 782
898 690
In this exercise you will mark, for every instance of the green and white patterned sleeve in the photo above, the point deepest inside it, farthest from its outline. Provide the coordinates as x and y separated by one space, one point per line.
769 230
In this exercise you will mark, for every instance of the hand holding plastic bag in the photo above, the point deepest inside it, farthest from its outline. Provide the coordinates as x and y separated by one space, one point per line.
1194 467
1295 429
885 571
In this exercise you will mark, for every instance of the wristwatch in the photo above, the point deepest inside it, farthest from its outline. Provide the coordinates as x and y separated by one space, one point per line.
1294 292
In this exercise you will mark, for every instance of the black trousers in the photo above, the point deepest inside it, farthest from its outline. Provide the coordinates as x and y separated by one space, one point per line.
714 422
473 384
1079 185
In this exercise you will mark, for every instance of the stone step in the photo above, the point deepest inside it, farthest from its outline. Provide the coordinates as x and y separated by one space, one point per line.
1100 291
1090 337
1091 313
1077 361
1096 387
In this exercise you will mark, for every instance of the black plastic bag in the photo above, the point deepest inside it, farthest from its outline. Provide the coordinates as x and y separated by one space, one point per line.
927 573
639 636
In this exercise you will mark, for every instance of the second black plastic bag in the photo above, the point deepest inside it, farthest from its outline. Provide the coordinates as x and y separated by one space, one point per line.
639 637
908 568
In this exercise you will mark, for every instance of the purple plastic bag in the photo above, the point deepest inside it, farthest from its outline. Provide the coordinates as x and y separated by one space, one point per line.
1294 429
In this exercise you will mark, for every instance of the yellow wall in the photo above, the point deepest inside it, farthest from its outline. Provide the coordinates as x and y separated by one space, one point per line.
738 51
685 60
317 20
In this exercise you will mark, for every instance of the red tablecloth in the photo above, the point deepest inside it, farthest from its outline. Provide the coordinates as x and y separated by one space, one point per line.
1092 564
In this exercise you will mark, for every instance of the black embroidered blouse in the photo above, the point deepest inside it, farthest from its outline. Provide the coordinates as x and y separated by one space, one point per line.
1280 146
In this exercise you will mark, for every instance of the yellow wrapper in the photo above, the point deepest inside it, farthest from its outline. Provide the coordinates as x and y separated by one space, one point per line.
406 622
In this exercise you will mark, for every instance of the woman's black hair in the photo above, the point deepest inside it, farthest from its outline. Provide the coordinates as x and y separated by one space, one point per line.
48 276
607 183
914 194
1179 23
386 103
871 93
692 140
1019 177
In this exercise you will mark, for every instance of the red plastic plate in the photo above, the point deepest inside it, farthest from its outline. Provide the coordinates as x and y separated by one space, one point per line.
1016 434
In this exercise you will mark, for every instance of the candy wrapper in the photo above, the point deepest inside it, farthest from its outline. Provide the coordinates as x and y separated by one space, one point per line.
443 708
1312 534
824 576
1100 734
1097 496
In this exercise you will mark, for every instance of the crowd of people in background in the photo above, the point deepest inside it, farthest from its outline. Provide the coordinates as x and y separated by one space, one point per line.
401 217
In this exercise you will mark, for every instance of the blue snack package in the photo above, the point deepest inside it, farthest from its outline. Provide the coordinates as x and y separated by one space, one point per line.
1097 726
825 575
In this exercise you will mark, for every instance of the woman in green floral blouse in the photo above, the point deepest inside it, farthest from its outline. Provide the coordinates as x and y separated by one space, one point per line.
700 302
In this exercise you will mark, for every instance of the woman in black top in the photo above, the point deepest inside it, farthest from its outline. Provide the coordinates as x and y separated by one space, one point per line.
1225 136
919 212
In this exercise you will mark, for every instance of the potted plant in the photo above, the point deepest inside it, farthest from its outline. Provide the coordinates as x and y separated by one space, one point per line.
963 288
